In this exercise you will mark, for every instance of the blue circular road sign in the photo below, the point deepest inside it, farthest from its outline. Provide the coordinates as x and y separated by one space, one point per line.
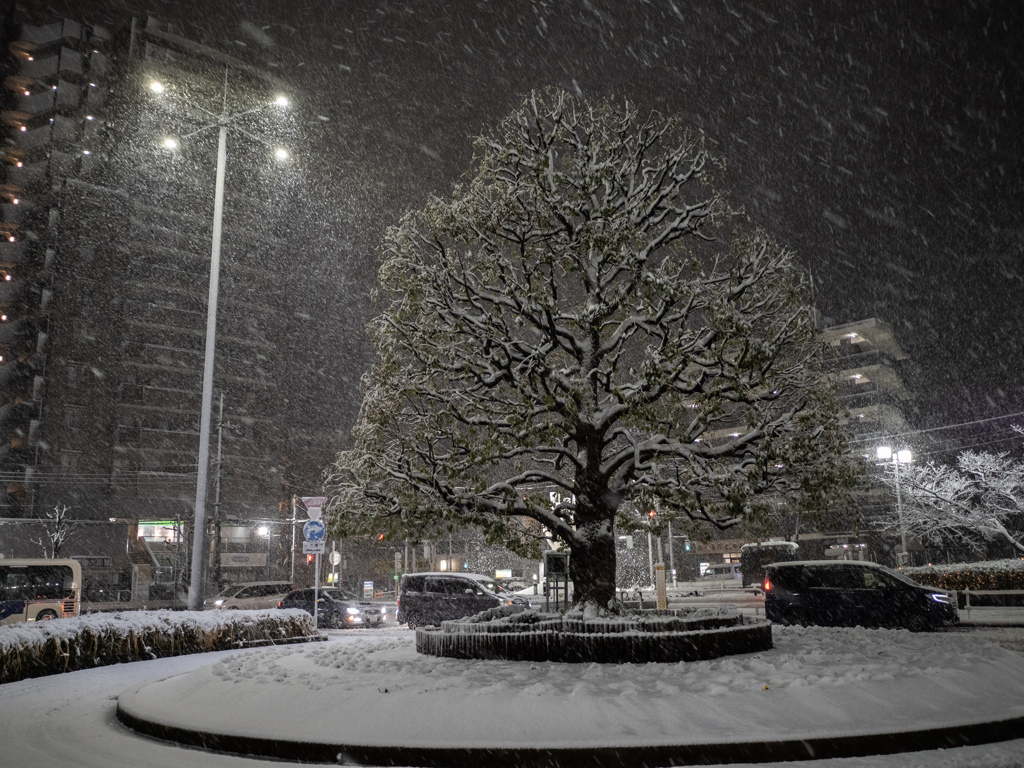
313 530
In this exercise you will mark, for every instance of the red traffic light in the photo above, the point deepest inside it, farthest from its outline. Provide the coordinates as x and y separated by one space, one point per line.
309 558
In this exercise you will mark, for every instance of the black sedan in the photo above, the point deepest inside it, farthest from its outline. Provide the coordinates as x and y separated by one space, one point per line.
336 608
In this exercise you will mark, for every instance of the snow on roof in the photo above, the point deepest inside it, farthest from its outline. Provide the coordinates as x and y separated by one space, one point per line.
474 576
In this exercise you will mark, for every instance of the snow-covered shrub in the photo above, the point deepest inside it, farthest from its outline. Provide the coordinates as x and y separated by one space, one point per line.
991 574
96 640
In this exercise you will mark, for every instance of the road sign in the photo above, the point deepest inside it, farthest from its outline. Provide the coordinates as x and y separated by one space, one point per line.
312 547
313 531
314 505
335 558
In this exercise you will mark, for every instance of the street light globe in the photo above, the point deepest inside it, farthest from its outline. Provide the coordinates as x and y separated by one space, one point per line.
281 154
884 452
904 457
281 101
170 143
156 87
263 530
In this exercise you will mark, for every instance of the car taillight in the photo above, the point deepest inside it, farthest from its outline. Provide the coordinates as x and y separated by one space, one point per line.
279 603
767 584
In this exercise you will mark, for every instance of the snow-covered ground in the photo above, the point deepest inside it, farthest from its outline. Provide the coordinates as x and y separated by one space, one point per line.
68 720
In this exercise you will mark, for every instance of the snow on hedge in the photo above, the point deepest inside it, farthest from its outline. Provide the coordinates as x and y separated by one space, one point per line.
989 574
95 640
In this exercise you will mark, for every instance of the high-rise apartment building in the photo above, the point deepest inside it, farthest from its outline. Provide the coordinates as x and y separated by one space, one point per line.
104 275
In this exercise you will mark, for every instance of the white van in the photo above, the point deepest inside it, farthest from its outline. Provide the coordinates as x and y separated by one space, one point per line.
253 594
723 572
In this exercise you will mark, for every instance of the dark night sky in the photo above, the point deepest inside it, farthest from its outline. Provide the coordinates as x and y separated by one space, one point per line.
880 140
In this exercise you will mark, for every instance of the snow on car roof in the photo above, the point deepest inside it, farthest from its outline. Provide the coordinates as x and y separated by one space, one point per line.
868 563
474 576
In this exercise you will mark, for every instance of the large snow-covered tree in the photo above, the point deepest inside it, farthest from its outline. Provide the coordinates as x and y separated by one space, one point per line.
587 316
979 500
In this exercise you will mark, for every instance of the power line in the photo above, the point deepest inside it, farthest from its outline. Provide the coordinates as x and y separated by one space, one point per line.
937 429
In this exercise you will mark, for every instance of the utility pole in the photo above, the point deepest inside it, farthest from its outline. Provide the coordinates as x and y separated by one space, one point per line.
291 576
216 497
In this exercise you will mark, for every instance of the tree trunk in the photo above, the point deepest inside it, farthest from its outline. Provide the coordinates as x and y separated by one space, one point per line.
592 565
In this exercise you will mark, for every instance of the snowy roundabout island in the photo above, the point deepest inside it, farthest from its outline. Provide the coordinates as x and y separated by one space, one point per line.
818 693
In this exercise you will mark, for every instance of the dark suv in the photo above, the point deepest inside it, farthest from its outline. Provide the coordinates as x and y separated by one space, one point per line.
336 608
430 598
849 593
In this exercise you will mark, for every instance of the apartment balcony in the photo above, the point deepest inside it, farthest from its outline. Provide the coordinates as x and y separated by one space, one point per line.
11 290
13 253
36 40
12 332
37 105
65 63
33 138
12 213
30 177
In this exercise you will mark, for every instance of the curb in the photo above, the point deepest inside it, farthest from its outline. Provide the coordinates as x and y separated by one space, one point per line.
584 757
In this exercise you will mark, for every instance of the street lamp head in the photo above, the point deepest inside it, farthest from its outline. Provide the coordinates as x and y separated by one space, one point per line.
281 101
170 143
904 457
281 153
263 530
884 452
156 87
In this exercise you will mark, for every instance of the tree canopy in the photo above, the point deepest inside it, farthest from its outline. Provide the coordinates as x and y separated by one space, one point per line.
587 316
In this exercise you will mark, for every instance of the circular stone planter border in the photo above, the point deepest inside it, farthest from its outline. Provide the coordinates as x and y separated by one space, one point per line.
664 636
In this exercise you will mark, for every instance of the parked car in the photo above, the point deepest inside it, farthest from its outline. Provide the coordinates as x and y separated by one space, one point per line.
253 594
851 593
336 608
723 572
430 598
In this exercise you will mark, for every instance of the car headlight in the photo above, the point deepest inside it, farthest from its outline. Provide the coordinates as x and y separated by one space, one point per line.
942 597
351 609
383 609
218 602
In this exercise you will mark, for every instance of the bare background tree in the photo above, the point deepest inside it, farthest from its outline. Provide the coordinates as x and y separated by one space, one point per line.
978 501
58 529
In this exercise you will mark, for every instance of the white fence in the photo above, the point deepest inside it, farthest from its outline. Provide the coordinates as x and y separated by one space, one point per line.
1016 611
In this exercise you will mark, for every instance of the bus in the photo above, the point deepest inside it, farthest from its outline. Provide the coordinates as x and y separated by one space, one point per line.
38 589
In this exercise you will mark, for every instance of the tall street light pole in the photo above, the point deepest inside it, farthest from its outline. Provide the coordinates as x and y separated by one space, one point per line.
885 453
222 122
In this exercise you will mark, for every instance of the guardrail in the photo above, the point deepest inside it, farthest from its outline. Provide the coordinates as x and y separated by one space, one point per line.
986 592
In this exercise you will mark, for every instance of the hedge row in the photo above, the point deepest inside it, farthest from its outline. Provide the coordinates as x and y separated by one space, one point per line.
97 640
999 574
639 639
